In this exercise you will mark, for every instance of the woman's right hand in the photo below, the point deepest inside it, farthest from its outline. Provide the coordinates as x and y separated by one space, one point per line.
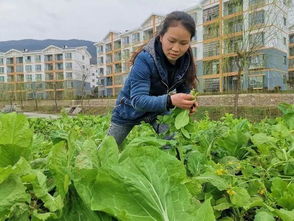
182 100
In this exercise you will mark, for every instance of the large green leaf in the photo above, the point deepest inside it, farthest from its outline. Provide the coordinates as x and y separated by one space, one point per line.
264 216
59 166
285 215
108 152
288 111
12 192
76 210
147 185
205 212
283 193
233 143
39 183
15 139
240 197
182 119
215 180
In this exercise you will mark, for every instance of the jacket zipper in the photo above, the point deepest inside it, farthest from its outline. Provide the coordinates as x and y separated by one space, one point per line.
172 87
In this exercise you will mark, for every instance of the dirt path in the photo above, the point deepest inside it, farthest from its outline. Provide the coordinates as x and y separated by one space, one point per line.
38 115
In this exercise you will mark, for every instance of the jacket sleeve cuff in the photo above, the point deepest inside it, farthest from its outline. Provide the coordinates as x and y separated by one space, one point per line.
169 104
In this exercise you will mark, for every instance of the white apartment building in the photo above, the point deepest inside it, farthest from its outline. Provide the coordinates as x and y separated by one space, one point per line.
116 49
53 72
223 27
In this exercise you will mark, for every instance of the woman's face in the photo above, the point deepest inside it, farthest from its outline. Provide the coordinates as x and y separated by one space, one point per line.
175 42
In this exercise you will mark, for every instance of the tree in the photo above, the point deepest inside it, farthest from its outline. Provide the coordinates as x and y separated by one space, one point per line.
84 76
245 34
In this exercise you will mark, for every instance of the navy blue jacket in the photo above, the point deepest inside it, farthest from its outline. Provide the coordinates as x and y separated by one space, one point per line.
144 95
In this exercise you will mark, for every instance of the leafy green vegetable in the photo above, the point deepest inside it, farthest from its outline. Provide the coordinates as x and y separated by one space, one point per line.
15 139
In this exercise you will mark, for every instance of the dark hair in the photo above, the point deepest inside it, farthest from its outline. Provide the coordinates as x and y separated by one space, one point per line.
171 20
178 17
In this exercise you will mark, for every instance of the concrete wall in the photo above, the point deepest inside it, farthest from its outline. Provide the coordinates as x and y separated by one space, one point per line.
265 100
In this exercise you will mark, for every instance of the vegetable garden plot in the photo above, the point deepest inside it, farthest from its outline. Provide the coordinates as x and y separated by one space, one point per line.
66 169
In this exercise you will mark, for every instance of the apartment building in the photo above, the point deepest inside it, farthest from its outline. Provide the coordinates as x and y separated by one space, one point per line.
50 73
116 49
93 77
291 58
235 26
225 29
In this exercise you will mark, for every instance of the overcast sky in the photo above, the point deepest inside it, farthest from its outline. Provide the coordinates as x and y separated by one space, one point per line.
79 19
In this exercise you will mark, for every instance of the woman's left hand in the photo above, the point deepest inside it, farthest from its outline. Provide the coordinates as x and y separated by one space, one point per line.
193 108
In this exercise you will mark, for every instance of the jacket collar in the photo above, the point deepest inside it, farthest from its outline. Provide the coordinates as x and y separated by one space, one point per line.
150 48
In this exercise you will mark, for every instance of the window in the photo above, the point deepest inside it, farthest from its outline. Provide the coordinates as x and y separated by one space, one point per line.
38 77
19 68
10 78
49 57
38 58
28 68
291 38
136 37
108 58
19 60
211 31
210 13
256 40
108 47
68 75
256 18
256 3
211 85
126 54
256 82
257 61
211 67
10 69
109 70
9 60
49 76
69 84
59 66
233 44
28 59
117 44
100 60
83 57
1 70
284 40
29 77
1 61
126 40
285 21
211 49
100 49
2 79
59 57
231 7
68 56
59 76
48 67
68 66
291 52
38 67
285 60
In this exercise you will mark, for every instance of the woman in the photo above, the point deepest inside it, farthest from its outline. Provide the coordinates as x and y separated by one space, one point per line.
162 66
